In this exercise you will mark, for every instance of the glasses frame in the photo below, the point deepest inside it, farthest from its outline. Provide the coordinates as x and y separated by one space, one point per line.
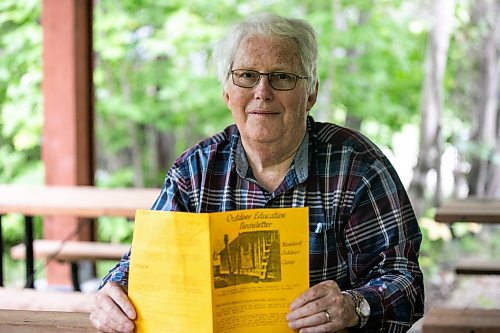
268 74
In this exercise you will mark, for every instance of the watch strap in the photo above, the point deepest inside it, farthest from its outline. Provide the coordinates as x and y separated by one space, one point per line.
358 300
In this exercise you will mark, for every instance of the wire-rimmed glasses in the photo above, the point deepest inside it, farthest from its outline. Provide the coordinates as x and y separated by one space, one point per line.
246 78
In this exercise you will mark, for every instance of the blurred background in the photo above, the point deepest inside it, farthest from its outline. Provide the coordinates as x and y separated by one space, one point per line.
418 77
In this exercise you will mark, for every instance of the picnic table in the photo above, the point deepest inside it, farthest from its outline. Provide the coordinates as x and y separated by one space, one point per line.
480 210
73 201
451 320
27 321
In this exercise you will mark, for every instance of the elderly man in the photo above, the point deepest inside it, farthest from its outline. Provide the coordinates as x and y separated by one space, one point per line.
364 237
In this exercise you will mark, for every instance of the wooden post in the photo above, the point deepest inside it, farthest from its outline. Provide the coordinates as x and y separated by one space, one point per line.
67 144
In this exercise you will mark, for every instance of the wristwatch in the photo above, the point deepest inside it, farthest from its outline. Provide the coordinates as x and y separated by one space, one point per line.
361 306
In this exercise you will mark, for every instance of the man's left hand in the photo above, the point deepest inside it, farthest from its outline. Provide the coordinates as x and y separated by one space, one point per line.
321 309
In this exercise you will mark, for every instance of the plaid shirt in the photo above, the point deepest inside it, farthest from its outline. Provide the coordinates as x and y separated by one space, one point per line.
362 229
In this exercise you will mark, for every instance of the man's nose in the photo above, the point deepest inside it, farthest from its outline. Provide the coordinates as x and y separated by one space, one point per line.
263 89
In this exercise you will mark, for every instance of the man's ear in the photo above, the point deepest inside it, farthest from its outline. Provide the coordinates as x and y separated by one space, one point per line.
313 96
225 95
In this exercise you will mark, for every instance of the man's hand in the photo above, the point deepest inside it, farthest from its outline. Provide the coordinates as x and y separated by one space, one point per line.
322 308
112 311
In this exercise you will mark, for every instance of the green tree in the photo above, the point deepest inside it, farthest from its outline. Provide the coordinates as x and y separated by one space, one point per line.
156 86
20 95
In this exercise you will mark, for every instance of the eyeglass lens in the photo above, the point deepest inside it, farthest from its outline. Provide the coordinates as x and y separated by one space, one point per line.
277 80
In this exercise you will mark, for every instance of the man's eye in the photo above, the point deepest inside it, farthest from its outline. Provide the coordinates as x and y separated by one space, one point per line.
283 76
247 75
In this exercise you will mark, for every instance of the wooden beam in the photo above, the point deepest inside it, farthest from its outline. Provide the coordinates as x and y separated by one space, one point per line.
67 144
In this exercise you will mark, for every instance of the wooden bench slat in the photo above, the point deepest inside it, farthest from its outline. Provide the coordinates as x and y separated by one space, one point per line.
71 250
481 210
45 300
475 266
75 201
15 321
450 320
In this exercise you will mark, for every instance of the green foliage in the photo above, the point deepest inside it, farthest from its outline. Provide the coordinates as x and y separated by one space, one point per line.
13 227
469 241
20 96
14 271
115 230
378 64
153 72
429 252
20 104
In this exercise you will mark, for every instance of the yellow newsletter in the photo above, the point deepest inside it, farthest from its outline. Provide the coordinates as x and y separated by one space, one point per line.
228 272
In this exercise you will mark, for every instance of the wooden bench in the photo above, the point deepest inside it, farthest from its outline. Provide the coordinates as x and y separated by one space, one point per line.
479 210
451 320
25 321
45 300
71 251
477 266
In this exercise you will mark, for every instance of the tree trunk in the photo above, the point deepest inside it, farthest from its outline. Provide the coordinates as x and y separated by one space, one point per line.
340 26
135 132
430 145
161 154
325 96
484 176
135 141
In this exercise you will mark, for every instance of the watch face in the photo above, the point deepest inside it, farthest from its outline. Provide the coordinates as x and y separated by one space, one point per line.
364 308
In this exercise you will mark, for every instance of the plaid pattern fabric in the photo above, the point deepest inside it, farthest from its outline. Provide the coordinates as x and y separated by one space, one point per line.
363 232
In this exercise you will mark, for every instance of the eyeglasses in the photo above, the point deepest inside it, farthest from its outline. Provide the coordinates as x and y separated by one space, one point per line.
246 78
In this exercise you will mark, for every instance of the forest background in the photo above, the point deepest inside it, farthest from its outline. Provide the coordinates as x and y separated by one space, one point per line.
418 77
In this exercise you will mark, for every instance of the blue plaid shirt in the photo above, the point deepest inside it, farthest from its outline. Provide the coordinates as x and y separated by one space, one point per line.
362 229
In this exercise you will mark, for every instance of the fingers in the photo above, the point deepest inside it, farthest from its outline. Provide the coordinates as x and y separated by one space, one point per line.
315 293
319 309
112 310
120 298
317 322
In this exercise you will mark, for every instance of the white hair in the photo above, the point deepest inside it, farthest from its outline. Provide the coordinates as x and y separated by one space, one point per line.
269 25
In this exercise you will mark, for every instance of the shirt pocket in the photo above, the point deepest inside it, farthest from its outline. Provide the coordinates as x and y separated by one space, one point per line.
325 259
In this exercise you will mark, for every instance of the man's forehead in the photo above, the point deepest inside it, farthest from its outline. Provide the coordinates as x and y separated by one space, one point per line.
268 42
260 49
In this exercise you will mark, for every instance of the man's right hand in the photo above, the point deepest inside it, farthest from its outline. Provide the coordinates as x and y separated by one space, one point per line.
112 311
